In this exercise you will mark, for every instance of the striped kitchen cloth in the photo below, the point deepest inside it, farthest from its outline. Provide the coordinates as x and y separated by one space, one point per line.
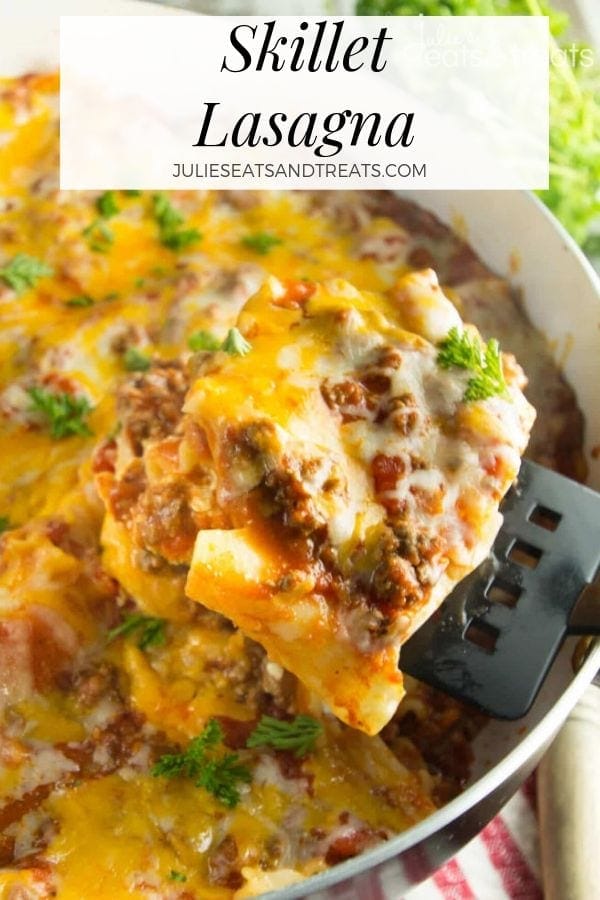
501 863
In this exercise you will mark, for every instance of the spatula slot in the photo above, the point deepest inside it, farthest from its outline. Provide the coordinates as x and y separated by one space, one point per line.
498 632
524 554
482 634
502 592
545 518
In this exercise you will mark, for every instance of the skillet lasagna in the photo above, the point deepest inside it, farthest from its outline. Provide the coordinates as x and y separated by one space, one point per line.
247 446
340 478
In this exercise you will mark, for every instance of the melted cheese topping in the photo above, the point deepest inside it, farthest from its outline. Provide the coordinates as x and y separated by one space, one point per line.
359 486
82 718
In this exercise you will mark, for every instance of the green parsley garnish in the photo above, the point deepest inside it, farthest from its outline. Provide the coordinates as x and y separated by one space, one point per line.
99 236
165 213
132 193
169 219
4 524
179 240
261 242
235 343
174 875
82 301
298 735
150 630
64 412
203 340
23 271
107 205
134 361
465 351
219 775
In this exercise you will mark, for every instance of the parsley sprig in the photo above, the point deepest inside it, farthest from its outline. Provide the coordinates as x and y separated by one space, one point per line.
234 342
169 220
107 205
65 413
23 271
261 242
149 629
203 340
465 351
298 735
219 775
4 524
222 774
135 361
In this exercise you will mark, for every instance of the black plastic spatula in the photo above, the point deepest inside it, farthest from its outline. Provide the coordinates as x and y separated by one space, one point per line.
495 637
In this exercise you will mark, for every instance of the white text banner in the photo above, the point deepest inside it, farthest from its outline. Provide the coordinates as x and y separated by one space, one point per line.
194 102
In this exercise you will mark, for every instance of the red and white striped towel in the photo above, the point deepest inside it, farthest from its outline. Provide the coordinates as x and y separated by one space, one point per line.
501 863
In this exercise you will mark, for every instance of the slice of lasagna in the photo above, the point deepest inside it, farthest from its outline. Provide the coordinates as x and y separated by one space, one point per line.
360 445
